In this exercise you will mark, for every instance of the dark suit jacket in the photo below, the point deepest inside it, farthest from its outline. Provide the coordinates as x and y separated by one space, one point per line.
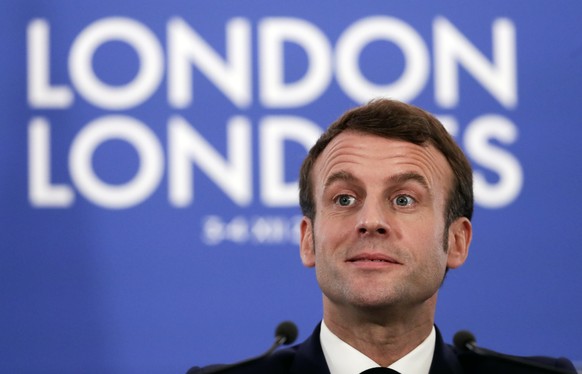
308 358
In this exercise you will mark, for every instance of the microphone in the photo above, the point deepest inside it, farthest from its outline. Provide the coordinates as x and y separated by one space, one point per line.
465 341
285 334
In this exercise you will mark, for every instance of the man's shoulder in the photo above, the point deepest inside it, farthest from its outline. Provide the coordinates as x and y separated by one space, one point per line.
449 359
280 361
304 358
502 363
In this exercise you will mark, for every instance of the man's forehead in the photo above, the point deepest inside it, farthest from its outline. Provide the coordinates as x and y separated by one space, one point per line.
350 150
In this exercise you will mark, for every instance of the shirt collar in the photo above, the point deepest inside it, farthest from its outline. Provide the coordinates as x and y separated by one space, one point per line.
342 358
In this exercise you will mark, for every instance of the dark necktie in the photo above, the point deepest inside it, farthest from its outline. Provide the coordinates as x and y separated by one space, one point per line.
379 371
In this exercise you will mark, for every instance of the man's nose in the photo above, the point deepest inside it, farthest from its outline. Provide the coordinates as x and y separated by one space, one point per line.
372 219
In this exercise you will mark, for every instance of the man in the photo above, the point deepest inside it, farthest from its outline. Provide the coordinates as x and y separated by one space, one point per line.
387 200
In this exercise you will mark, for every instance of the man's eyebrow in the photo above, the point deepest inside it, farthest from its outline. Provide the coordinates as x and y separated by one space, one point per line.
341 175
406 177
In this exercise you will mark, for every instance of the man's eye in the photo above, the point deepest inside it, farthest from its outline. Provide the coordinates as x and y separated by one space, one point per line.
345 200
403 200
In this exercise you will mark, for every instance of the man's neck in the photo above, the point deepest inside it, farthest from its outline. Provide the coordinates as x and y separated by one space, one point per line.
383 335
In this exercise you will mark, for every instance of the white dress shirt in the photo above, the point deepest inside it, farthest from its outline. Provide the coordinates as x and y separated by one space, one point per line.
342 358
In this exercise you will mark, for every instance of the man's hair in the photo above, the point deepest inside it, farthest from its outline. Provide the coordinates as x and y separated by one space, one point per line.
396 120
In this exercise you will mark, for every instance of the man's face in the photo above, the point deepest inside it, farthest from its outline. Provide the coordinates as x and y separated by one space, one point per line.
377 237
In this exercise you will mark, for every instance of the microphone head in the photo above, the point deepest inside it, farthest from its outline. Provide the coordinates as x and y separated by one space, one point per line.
287 332
463 339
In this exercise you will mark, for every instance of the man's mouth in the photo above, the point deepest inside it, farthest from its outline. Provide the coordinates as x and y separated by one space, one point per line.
374 258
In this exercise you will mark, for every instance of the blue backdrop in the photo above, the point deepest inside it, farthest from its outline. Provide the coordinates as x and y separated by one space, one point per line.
150 150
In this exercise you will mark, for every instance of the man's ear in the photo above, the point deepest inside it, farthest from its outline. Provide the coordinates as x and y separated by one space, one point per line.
306 243
460 234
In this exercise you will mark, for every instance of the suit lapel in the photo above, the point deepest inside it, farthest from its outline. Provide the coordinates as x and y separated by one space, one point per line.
444 359
309 358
